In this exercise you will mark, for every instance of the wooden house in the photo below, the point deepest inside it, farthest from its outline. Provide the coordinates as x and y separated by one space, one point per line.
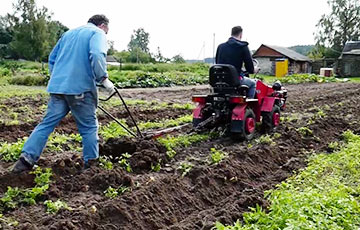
268 56
349 61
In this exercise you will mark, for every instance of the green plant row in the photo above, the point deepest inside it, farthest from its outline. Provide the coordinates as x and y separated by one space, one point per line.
325 195
200 68
113 130
15 196
306 78
10 152
165 123
172 142
141 79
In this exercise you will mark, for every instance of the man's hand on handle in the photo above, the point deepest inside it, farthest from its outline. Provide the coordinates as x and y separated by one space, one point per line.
109 86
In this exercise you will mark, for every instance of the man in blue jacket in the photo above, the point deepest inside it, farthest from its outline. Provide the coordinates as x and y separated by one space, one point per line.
76 64
236 52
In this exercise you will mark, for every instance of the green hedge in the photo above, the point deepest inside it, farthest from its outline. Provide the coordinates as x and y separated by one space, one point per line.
137 79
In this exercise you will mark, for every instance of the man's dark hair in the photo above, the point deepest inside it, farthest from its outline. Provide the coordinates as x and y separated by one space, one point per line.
235 31
99 19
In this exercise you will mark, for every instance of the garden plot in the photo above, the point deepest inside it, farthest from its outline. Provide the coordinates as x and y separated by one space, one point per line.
182 181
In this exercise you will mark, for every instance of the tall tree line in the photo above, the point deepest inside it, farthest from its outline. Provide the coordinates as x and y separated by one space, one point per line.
28 32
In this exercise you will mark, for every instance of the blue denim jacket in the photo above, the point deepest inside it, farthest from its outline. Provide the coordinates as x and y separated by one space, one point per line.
78 61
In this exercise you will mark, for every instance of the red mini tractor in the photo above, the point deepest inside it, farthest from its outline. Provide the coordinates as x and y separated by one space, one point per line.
227 105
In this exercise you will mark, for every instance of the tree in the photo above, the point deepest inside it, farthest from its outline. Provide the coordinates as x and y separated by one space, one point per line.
178 59
111 50
159 57
338 27
34 33
123 56
139 56
5 38
56 30
140 39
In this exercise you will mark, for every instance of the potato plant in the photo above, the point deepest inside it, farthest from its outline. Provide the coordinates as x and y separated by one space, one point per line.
185 168
166 123
216 156
11 152
54 207
325 195
172 142
15 196
112 193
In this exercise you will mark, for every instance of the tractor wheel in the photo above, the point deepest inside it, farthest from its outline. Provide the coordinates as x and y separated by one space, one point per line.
270 120
248 127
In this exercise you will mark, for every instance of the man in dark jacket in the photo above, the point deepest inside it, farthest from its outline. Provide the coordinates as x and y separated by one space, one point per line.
236 52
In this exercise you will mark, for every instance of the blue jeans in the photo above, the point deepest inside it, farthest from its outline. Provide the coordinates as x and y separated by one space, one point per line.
83 109
252 86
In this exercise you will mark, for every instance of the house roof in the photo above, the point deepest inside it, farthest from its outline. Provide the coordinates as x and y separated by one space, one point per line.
110 59
352 47
287 53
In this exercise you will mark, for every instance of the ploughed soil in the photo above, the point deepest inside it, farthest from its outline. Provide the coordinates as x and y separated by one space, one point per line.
207 193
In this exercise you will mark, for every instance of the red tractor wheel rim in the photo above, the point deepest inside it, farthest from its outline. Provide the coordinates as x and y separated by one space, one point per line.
250 125
276 119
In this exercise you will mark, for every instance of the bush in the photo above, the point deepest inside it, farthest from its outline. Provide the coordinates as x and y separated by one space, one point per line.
29 80
4 72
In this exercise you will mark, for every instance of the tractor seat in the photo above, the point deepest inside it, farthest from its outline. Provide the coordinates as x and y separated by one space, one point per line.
225 80
222 75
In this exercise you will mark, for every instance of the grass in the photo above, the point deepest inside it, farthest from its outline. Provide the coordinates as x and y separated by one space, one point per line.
354 79
325 195
22 91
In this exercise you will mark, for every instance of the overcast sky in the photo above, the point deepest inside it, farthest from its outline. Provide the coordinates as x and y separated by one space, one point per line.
187 27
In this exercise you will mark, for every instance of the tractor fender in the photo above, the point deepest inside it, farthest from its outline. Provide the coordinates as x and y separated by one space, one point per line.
197 111
268 104
238 112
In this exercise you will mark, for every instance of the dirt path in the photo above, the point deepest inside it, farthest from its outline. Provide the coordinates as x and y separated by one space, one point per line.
165 199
